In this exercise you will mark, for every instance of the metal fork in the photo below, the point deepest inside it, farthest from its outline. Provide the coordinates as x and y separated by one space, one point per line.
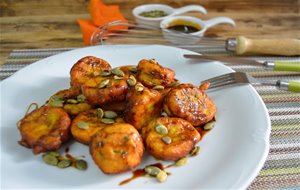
244 78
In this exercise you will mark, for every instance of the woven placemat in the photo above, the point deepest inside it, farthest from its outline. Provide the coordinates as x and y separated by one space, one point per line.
282 167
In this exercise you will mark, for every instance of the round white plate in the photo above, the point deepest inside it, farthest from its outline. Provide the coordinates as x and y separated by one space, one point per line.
231 154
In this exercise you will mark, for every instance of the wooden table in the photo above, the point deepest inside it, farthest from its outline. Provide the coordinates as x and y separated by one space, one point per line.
52 23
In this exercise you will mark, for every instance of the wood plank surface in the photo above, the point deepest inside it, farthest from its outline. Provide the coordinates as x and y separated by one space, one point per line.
52 23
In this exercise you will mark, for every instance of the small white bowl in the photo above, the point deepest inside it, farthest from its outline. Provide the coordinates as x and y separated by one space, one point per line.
203 25
161 7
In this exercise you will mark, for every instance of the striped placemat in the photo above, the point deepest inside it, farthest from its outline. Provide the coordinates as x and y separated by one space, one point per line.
282 167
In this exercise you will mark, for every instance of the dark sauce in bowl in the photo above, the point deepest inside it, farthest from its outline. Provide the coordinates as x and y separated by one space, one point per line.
184 26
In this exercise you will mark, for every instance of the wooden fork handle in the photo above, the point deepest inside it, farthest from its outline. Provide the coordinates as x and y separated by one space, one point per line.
285 47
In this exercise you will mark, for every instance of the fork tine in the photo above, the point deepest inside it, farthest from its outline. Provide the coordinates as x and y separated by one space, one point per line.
227 79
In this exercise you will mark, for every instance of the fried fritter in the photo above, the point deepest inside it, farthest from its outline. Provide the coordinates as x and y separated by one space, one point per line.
105 90
171 144
190 103
86 124
117 148
150 73
70 100
87 68
143 105
45 129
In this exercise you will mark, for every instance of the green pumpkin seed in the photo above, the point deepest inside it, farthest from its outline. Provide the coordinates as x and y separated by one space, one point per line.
161 129
158 87
153 61
167 139
173 83
118 77
81 98
133 69
110 114
64 163
152 170
162 176
195 151
105 73
103 83
55 98
107 121
209 125
54 153
72 101
131 80
99 113
49 159
181 162
82 125
117 71
56 103
81 164
139 87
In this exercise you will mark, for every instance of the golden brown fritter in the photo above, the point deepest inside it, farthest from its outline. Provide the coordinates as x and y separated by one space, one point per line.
86 124
117 148
190 103
171 144
150 73
115 106
143 105
104 90
45 129
87 68
70 100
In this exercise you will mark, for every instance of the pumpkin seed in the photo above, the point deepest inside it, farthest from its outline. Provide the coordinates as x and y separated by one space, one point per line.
195 151
152 170
56 101
107 121
158 87
54 153
139 87
131 80
117 77
105 73
57 104
209 125
162 176
133 69
56 98
72 101
81 98
82 125
49 159
64 163
215 118
153 61
173 83
161 129
166 139
181 162
99 113
104 83
117 71
81 164
110 114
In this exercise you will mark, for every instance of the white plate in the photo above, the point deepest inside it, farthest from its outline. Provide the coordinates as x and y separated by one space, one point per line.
231 154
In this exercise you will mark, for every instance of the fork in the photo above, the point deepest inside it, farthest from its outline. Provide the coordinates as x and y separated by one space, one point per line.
244 78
